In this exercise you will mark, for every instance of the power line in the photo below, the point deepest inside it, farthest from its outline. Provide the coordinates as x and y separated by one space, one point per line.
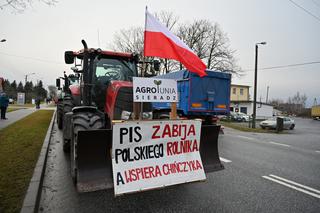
285 66
290 65
305 10
31 58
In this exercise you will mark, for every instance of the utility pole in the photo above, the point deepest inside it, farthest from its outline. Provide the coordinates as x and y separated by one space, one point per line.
255 85
267 94
26 78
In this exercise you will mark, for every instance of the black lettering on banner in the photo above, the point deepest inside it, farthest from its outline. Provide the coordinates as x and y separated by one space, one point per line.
117 153
123 131
119 179
136 130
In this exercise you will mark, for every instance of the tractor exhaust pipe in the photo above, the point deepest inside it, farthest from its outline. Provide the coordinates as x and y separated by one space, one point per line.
87 72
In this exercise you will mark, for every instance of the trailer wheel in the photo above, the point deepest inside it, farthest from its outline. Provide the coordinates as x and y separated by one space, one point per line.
82 121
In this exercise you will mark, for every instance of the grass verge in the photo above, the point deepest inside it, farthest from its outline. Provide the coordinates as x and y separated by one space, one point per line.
20 145
243 128
24 105
13 109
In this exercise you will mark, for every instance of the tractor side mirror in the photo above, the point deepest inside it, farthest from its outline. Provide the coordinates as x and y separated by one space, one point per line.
58 83
68 57
156 65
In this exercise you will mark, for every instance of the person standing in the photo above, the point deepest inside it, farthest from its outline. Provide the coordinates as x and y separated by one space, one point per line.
4 101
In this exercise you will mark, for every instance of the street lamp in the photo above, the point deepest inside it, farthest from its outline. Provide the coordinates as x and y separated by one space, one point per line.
3 40
255 86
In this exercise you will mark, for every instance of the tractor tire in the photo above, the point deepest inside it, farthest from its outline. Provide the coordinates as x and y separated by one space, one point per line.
292 126
67 107
60 115
82 121
67 104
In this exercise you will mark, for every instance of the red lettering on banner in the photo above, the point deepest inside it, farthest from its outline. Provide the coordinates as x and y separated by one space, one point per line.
198 165
176 148
166 131
142 173
181 167
174 130
191 130
157 128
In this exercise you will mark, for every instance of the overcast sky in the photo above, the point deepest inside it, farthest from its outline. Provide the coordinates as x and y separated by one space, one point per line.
292 35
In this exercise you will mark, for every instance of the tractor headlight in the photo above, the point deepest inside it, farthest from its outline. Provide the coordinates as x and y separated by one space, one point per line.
125 115
147 115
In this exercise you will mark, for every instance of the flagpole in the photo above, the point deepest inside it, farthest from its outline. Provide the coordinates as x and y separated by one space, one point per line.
143 71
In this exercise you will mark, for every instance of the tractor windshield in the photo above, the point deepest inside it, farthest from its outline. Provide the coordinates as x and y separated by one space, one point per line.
108 69
73 80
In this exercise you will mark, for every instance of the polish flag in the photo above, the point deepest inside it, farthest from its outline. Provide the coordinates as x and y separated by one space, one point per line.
160 42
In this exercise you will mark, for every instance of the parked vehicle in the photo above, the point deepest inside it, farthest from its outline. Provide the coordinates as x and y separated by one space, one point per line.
315 112
203 98
11 101
271 123
233 116
243 117
239 117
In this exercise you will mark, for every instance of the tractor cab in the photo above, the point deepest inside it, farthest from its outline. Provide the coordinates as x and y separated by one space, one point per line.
108 68
99 69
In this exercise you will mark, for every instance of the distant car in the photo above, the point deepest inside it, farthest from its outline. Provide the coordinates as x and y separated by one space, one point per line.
271 123
11 101
239 116
234 116
243 117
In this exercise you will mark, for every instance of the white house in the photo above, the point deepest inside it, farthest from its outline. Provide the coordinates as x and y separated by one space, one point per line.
263 110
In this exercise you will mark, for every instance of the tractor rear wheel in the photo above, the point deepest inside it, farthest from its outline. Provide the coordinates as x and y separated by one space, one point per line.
83 121
67 107
60 115
67 104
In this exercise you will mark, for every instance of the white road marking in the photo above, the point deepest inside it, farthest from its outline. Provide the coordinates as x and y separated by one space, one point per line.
240 136
295 183
280 144
225 160
293 187
318 151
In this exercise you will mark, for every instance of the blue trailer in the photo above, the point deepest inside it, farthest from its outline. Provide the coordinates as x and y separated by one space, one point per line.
203 98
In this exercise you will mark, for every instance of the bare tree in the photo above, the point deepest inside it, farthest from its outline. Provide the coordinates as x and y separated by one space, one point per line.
21 5
207 40
52 91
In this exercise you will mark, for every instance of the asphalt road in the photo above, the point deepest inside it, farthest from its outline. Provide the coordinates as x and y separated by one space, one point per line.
263 173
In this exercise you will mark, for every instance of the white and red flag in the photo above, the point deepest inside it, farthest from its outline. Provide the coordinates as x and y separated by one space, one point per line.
160 42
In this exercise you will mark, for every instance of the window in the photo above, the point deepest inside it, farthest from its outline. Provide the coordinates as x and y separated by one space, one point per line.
231 109
243 110
234 91
241 91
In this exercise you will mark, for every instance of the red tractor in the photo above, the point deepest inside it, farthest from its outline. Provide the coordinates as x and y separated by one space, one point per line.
103 96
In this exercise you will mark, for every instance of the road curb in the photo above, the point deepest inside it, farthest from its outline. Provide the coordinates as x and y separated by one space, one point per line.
32 198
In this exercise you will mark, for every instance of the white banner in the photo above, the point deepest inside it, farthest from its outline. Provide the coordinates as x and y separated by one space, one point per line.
154 90
154 154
